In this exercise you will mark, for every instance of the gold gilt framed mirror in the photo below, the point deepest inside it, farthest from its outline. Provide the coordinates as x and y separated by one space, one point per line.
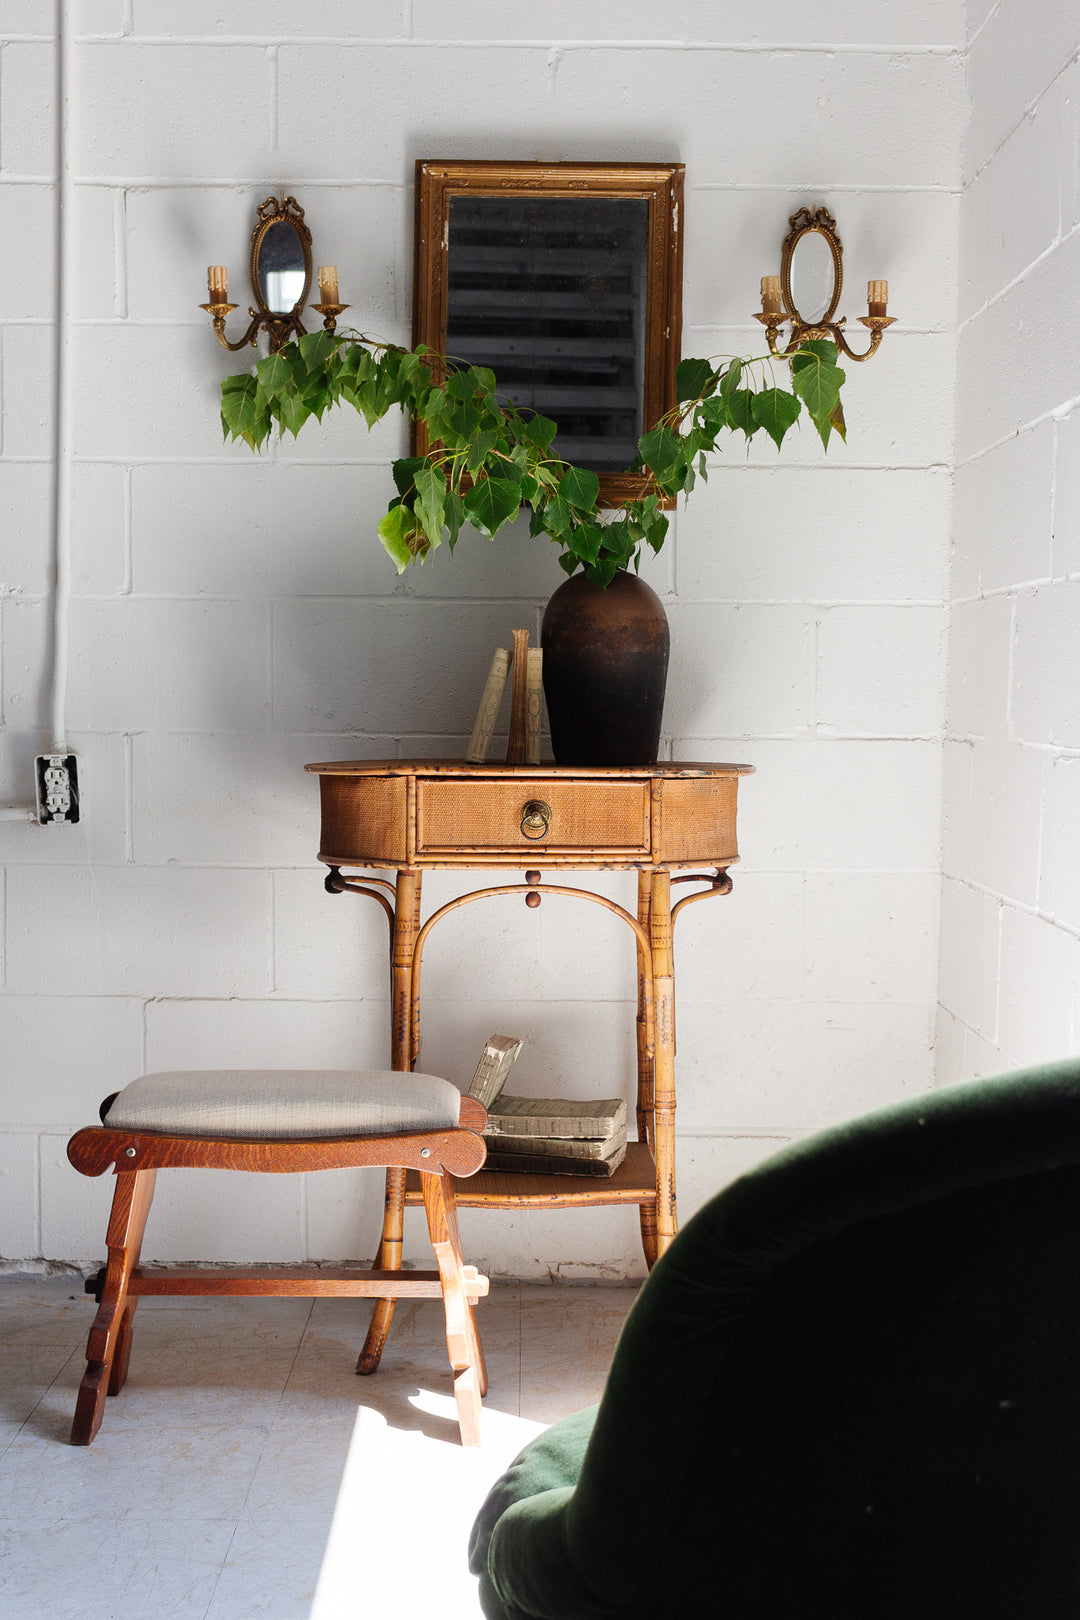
566 280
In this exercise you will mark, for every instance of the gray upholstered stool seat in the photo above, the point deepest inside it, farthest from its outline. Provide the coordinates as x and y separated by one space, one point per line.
285 1104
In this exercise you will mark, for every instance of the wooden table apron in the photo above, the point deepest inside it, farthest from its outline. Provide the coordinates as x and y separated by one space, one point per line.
408 816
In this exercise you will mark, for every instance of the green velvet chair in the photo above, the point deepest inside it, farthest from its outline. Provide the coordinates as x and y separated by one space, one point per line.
850 1390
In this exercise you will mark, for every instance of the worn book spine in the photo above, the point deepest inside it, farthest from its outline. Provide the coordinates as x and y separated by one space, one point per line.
519 704
534 704
498 1058
555 1116
488 712
579 1147
553 1164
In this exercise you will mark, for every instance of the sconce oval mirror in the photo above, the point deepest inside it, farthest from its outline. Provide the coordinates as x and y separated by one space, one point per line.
812 278
281 258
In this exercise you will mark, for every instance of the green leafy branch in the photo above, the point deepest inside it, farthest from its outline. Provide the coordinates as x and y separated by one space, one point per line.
490 459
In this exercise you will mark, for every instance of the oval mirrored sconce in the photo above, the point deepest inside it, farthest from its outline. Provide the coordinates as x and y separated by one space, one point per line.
280 272
807 290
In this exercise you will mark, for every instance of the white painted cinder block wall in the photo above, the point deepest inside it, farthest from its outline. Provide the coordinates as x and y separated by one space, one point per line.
234 618
1010 952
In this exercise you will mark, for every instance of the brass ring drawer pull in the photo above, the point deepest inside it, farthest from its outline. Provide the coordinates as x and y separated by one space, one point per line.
535 819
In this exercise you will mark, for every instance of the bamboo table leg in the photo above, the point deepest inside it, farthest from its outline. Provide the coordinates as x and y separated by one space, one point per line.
664 1060
645 1063
388 1258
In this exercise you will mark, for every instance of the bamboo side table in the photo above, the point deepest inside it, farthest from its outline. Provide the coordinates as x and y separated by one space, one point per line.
412 816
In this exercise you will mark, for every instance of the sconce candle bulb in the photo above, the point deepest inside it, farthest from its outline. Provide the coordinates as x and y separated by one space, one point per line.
770 295
328 284
877 296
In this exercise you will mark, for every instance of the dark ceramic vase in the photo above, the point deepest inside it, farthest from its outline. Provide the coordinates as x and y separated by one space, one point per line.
605 668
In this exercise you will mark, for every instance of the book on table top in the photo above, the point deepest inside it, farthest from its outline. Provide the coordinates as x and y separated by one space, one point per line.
555 1116
488 712
551 1164
518 740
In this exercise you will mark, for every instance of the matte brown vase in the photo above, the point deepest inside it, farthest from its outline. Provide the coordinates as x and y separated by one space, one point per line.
605 668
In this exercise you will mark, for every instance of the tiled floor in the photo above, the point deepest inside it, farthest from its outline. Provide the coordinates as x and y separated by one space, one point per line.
245 1471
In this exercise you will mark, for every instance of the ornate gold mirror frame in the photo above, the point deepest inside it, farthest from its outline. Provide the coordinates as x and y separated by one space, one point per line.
492 253
804 224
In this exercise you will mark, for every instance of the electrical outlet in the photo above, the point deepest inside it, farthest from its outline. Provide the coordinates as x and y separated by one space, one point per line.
57 788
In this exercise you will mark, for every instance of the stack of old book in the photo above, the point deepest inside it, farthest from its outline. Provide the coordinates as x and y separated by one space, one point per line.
555 1136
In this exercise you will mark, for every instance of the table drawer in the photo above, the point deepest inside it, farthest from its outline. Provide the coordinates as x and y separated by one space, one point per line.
456 817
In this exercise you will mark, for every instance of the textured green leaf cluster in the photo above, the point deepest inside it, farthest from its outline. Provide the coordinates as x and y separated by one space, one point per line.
490 460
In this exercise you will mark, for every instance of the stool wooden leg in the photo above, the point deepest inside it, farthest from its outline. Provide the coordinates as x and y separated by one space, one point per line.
118 1376
109 1343
462 1338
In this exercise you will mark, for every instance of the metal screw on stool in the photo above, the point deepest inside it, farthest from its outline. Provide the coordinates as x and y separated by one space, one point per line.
425 1153
130 1152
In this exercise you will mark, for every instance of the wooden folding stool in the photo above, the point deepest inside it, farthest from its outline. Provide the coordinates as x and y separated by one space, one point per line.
277 1121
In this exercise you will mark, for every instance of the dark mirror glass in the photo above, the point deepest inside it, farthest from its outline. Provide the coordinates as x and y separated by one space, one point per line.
813 276
281 268
551 293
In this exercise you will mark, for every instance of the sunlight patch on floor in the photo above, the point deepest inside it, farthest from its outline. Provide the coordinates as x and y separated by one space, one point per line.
406 1504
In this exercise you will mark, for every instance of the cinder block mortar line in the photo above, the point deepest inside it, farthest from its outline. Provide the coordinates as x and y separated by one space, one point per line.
269 935
221 460
1032 106
225 459
815 670
1010 677
992 591
820 187
398 42
128 799
268 630
1009 901
1054 750
126 582
823 602
1058 413
1002 292
987 20
169 182
275 89
397 596
1040 846
120 249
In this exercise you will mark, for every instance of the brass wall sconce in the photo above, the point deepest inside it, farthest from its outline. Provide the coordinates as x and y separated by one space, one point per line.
280 270
821 278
